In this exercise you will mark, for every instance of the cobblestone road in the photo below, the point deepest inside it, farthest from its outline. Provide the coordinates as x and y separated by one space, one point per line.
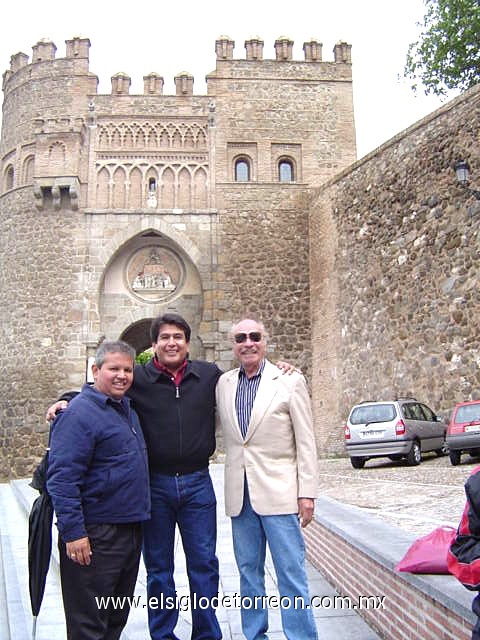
416 499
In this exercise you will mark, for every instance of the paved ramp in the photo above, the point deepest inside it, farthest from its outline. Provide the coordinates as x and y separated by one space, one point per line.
15 614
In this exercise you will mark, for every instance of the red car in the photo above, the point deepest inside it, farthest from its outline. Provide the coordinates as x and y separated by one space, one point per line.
463 433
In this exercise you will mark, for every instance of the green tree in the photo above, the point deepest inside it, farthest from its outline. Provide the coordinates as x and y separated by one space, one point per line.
447 54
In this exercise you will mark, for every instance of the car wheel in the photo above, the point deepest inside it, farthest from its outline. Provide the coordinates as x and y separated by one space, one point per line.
358 463
455 457
443 451
414 456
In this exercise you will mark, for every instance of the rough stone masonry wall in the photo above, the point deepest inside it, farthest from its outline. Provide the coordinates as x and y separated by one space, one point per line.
42 275
264 110
394 268
263 265
41 328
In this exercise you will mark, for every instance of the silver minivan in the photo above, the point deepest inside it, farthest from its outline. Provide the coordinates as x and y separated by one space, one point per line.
395 429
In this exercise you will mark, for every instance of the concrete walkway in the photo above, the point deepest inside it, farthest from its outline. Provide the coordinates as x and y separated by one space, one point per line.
15 613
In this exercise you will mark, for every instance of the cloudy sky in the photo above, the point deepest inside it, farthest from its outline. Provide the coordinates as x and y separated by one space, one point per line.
169 37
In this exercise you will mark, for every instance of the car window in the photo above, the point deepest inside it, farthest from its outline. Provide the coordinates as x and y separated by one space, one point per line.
373 413
468 413
406 412
428 413
413 411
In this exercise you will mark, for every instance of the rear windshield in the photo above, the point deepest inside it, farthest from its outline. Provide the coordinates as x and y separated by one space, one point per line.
468 413
373 413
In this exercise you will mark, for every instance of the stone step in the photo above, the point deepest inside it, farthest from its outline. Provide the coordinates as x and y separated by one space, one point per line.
50 622
4 625
14 542
14 509
12 525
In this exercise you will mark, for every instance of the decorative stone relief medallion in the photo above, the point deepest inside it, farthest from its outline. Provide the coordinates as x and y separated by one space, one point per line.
154 273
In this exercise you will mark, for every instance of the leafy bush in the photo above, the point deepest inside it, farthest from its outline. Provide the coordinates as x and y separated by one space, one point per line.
144 357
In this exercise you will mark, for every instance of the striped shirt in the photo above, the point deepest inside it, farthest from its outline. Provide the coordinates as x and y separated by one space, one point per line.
246 392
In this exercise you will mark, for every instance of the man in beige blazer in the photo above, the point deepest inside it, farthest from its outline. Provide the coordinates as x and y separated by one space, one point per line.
270 480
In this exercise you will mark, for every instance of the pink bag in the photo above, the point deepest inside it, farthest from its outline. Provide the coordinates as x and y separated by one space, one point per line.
429 553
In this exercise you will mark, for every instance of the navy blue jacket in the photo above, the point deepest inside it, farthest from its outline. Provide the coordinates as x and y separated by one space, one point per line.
98 469
178 423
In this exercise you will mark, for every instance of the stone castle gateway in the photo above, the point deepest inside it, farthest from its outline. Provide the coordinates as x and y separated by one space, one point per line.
118 207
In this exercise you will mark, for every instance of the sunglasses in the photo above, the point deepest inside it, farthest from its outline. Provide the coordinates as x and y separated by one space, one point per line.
255 336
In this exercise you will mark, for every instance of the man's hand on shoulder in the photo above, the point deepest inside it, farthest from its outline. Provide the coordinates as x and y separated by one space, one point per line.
54 409
287 368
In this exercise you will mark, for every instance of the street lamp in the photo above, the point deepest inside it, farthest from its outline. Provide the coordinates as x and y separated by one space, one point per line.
462 169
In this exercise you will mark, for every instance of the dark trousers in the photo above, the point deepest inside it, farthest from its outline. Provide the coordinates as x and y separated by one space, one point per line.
112 573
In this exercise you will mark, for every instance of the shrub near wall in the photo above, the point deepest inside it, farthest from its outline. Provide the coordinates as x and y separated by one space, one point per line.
394 243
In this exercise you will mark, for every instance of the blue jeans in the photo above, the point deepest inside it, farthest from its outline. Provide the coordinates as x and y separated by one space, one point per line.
251 532
476 611
189 502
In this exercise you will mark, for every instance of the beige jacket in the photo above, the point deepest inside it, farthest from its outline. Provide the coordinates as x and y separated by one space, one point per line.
278 454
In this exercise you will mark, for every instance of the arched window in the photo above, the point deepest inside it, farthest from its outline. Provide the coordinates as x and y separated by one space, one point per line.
242 170
9 178
285 170
28 166
152 185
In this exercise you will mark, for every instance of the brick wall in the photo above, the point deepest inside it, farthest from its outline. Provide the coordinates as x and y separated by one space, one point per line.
415 607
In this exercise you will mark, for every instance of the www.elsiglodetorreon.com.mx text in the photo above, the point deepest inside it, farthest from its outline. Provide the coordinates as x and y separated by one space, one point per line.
236 601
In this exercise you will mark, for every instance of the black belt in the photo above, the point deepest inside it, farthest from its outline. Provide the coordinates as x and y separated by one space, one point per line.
171 473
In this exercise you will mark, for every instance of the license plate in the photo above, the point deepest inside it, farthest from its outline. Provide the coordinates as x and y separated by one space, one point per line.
372 434
473 427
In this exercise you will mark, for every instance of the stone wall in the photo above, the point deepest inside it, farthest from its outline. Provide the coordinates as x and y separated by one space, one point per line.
264 110
263 265
394 244
41 280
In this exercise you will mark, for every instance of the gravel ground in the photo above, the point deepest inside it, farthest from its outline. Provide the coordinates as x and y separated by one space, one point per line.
416 499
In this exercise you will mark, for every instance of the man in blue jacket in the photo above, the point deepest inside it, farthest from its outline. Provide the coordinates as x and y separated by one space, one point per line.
98 482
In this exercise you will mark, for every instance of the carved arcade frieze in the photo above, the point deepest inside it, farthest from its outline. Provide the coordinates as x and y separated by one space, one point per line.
151 135
152 164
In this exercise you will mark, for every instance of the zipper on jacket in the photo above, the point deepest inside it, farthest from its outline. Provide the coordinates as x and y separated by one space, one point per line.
180 425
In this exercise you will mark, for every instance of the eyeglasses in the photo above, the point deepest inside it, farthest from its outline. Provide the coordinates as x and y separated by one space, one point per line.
255 336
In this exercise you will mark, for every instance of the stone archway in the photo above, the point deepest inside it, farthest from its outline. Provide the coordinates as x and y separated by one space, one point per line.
147 276
138 335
